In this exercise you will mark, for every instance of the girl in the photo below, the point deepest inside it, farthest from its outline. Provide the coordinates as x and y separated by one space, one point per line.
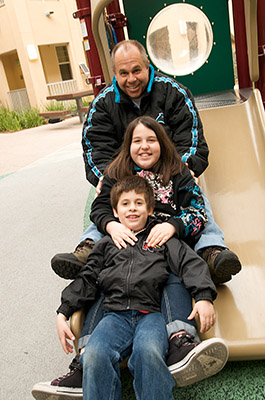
148 152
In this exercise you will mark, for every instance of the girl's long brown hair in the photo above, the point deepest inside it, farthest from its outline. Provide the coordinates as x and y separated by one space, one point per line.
169 163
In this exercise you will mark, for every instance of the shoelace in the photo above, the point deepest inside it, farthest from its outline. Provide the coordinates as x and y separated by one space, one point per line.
184 338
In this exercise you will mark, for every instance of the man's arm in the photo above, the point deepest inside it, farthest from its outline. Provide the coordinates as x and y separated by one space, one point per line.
182 118
99 137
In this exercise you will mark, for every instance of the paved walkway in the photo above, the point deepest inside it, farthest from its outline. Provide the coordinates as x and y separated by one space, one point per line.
42 203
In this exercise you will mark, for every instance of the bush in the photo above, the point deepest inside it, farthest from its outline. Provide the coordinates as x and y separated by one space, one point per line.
11 121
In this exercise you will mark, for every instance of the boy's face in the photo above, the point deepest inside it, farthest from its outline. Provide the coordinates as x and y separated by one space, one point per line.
132 210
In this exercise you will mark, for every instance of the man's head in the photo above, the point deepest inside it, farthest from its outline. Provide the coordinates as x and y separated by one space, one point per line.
131 67
132 200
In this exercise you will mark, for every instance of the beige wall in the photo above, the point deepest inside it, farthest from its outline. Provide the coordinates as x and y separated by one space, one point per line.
24 23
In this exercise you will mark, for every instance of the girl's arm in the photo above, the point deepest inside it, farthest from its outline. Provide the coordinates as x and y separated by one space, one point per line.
189 217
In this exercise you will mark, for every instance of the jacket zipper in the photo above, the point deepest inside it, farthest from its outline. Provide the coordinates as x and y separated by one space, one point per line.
128 279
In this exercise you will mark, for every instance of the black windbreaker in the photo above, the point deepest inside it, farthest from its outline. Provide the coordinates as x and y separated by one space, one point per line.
169 102
133 278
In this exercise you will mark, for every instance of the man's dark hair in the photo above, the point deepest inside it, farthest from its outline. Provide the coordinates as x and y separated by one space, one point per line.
133 183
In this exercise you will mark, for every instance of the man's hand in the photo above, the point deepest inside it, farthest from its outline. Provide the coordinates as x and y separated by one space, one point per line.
193 175
99 185
120 234
64 333
160 233
205 311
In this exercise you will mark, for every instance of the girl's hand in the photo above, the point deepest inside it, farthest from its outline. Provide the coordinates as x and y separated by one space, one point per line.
120 234
64 333
205 310
160 233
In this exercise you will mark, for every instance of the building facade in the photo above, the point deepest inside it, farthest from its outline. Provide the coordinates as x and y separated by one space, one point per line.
41 52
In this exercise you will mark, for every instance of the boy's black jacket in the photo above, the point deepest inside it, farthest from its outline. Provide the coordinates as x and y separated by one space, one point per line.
133 278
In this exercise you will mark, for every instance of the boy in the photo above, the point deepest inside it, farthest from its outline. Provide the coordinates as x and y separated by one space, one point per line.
132 280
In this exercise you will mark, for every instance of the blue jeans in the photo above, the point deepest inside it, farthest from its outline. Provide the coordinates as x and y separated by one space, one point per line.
118 335
176 306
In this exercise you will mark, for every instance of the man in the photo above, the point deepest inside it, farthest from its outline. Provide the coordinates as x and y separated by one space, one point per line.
137 90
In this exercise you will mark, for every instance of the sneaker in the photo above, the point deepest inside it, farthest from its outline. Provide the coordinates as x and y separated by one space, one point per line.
67 265
190 362
66 387
222 263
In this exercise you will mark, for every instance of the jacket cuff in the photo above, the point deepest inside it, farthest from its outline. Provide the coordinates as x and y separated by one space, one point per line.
178 225
65 310
205 295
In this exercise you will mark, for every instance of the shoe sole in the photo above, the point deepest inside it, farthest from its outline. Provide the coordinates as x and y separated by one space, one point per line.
66 269
205 360
44 391
226 264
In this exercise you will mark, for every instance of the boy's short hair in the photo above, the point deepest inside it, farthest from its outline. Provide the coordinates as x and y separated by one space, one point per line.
138 184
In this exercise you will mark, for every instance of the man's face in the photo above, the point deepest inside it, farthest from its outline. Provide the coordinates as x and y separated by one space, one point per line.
132 210
131 72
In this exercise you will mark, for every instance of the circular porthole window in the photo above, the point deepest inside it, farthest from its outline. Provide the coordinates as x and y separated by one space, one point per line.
179 39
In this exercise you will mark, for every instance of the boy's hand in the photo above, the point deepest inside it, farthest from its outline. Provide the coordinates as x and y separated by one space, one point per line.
120 234
205 310
64 333
160 233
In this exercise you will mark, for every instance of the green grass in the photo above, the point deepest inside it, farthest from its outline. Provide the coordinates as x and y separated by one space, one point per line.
12 121
244 380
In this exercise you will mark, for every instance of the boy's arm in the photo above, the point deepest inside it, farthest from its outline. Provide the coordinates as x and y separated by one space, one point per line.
205 311
82 291
191 269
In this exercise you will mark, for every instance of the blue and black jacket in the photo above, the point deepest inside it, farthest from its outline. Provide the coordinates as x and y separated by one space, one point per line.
169 102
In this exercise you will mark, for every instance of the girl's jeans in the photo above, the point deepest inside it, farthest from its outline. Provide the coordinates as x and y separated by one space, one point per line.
118 335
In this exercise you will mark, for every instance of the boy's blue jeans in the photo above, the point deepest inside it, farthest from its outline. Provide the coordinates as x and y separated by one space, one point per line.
176 306
118 335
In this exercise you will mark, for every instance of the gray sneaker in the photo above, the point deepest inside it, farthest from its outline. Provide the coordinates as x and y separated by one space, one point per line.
190 362
68 265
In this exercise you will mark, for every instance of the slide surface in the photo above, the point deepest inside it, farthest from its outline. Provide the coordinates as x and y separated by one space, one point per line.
234 183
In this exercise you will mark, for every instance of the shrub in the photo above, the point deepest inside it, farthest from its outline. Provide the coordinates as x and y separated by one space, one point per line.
11 121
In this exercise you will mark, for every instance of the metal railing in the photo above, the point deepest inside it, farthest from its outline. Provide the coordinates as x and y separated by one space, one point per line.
62 87
19 100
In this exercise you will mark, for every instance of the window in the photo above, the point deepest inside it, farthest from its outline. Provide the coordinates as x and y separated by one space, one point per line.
64 62
179 39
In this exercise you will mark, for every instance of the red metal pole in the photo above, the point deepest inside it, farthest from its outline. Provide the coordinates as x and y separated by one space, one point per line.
116 19
261 47
241 44
96 75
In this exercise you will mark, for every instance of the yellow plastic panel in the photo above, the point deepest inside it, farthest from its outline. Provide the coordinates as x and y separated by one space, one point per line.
235 186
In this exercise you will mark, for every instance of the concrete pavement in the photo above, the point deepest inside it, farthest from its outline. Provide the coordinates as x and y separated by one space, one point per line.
42 203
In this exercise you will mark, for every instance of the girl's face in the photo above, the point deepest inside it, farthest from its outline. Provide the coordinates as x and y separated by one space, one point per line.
145 147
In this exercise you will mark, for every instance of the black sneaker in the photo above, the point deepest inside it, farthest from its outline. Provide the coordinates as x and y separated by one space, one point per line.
190 362
66 387
67 265
222 262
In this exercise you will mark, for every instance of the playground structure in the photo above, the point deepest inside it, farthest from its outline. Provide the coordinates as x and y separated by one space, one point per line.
234 125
